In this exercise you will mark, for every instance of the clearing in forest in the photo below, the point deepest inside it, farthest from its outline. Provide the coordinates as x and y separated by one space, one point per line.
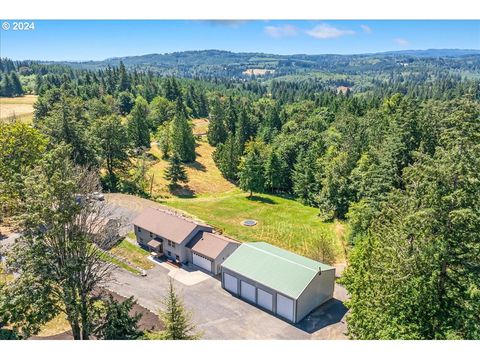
19 107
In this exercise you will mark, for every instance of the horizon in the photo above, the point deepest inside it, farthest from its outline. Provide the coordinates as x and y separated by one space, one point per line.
100 40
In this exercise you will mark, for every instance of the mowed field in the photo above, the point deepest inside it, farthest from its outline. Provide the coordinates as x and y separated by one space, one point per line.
20 107
281 221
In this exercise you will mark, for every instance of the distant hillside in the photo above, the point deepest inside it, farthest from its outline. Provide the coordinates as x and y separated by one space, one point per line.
218 63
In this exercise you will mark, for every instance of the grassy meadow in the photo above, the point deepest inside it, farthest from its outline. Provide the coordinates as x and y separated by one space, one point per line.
20 108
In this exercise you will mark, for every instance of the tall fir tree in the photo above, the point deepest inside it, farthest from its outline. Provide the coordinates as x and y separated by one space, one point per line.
182 139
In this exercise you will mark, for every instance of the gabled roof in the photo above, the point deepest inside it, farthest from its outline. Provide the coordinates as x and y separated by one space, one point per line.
167 225
210 245
281 270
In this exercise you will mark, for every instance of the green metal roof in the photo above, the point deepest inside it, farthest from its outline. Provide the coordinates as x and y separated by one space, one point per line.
281 270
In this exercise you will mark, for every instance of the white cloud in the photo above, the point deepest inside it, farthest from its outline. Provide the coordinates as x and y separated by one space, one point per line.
325 31
281 31
366 29
401 42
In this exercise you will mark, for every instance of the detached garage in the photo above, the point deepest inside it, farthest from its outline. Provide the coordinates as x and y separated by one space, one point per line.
283 283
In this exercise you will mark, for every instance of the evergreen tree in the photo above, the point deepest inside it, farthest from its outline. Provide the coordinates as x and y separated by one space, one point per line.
182 139
138 128
125 102
6 86
227 158
415 275
17 89
177 320
217 134
124 80
116 323
274 173
231 116
251 173
175 171
305 186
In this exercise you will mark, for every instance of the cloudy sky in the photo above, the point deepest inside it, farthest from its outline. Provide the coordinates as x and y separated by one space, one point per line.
97 40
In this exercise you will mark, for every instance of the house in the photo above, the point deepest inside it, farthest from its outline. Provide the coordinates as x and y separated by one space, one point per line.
283 283
182 240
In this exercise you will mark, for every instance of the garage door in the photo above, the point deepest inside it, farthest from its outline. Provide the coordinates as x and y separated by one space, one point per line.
265 299
230 283
285 307
247 291
202 262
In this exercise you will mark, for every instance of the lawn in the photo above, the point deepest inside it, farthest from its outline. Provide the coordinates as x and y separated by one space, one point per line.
109 258
20 107
133 253
281 221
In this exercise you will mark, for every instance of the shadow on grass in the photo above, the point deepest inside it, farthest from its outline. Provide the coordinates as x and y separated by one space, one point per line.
183 192
197 166
262 199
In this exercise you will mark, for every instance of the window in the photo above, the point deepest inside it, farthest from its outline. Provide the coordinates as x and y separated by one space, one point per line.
169 253
177 257
139 230
151 235
173 244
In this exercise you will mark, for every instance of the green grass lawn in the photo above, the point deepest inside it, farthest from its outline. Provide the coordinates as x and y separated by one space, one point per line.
133 253
282 222
108 258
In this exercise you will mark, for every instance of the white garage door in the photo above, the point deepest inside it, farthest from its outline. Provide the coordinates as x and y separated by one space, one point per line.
247 291
202 262
230 283
285 307
265 299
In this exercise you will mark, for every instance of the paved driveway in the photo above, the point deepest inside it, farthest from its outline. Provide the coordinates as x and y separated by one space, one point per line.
220 315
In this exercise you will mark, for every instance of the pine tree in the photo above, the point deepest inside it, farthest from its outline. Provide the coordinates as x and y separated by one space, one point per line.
274 177
138 126
217 134
227 158
177 320
251 170
17 89
124 80
231 117
175 171
182 139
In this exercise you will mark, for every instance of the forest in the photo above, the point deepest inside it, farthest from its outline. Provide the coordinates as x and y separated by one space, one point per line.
396 157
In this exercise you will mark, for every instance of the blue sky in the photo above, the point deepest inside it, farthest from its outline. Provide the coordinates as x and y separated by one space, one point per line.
97 40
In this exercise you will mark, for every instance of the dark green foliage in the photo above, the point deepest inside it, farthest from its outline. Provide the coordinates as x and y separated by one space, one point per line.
274 173
175 172
416 274
251 170
227 158
182 139
116 323
177 320
125 102
217 133
110 138
138 127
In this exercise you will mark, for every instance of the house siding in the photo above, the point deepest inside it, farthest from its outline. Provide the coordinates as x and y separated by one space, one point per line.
143 237
318 291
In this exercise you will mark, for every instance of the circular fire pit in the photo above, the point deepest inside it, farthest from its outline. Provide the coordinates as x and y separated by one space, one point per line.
249 222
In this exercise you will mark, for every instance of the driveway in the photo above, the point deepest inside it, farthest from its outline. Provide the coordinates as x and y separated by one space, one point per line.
219 315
